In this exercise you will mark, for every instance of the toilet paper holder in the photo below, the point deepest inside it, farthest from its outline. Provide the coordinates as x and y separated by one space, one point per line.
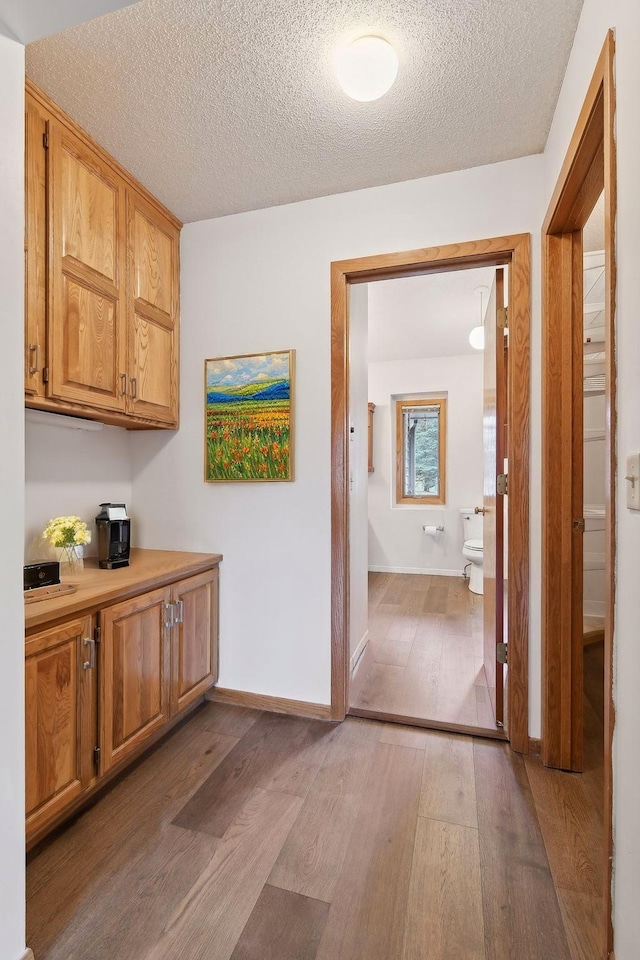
432 530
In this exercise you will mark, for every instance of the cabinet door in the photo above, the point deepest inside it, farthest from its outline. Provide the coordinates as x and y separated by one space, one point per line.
35 243
60 719
152 357
86 339
194 638
134 674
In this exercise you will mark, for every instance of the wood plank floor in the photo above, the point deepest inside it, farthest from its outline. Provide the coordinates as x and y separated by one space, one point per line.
340 842
424 655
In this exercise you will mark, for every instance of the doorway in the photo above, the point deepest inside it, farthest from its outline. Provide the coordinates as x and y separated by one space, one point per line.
514 252
579 362
424 372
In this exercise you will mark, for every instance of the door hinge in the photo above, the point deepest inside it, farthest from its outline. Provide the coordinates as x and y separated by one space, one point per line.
501 653
170 615
578 524
502 484
45 374
45 140
96 757
502 317
96 633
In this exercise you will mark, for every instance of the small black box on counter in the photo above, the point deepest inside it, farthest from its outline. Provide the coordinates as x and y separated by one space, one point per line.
44 574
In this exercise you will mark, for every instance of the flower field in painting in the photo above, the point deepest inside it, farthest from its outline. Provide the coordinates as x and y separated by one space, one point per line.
248 419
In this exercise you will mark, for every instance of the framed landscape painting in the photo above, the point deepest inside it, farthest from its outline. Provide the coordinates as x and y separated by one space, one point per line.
249 417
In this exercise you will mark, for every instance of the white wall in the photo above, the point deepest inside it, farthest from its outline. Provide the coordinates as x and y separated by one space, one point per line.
260 281
71 472
397 542
40 18
358 470
624 16
12 897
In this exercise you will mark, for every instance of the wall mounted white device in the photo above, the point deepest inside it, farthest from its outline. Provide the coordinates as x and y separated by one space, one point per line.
633 481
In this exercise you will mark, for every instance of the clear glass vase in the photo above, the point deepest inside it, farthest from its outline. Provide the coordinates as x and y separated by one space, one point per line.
71 561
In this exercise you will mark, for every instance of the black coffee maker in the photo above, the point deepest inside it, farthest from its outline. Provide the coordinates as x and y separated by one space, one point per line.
114 536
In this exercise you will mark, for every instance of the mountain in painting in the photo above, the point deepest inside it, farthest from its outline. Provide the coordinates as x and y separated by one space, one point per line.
267 390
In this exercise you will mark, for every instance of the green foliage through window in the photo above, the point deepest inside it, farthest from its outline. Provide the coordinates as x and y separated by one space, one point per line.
421 450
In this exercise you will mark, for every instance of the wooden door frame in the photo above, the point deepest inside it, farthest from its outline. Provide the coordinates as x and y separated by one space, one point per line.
498 251
588 168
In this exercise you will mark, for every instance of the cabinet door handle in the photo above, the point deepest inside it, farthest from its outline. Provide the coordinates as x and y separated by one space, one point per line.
34 351
134 388
169 619
180 613
91 662
123 384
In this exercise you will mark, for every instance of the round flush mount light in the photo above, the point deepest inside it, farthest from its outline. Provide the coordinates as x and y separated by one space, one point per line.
366 68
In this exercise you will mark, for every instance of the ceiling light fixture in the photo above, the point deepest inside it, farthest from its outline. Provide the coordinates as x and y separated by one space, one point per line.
476 337
366 68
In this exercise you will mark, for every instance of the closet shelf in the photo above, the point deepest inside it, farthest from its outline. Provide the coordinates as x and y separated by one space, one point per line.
594 385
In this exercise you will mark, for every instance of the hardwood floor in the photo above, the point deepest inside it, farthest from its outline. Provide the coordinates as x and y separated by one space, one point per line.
571 815
424 655
253 836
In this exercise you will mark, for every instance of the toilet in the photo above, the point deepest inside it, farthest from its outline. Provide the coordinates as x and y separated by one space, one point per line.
472 548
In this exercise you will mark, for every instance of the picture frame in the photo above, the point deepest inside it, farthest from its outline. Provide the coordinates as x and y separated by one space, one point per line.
249 417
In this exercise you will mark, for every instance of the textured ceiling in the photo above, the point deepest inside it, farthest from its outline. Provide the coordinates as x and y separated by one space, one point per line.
219 107
429 316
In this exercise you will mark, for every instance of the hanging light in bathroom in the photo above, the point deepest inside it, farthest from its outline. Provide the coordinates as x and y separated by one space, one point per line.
476 337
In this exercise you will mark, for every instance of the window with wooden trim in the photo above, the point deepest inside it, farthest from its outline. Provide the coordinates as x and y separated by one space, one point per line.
421 450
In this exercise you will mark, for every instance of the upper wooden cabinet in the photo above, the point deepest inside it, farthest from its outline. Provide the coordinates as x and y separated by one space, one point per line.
153 312
87 336
102 268
35 253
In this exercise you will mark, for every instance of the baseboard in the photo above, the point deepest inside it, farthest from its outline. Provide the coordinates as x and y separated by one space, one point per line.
535 747
261 701
27 955
377 568
359 650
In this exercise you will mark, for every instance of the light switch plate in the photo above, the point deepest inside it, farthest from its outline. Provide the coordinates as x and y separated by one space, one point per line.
633 481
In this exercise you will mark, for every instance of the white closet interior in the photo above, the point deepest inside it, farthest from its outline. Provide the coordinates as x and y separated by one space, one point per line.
594 435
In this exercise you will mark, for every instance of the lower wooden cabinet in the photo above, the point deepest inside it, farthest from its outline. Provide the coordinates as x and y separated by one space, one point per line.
194 642
134 674
60 719
101 687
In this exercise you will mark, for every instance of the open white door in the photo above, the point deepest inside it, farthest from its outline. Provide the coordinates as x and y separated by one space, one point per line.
494 436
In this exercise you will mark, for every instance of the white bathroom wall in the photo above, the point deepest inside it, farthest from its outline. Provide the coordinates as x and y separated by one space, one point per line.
358 470
397 543
261 281
596 18
12 871
70 472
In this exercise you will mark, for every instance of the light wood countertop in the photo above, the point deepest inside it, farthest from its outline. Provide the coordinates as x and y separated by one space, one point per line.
147 570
